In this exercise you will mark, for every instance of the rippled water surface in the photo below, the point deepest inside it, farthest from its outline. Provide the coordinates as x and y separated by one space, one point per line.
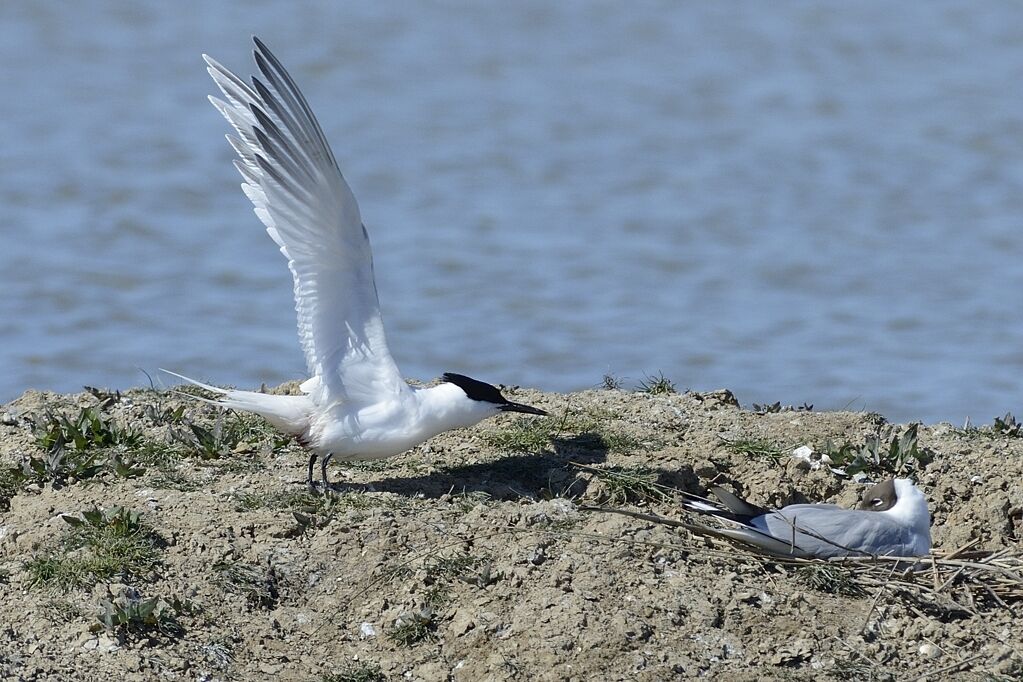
797 201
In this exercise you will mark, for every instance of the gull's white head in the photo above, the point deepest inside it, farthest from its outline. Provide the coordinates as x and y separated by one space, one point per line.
902 501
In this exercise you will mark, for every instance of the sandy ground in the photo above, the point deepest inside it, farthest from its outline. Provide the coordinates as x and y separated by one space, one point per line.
470 558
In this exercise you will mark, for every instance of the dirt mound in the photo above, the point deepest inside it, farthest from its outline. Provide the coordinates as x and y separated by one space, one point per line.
146 536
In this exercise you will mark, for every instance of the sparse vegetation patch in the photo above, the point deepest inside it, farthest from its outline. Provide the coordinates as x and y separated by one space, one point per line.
99 545
885 453
755 447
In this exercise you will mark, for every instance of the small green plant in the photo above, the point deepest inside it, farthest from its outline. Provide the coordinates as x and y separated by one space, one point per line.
356 672
412 627
475 570
437 596
60 465
257 585
130 616
829 578
251 428
62 610
12 479
611 383
902 454
1008 426
467 501
755 448
211 443
158 414
80 449
121 468
88 431
656 385
859 668
228 436
775 407
99 545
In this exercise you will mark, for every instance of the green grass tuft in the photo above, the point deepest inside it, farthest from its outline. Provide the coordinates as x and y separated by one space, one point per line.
99 545
611 383
257 584
624 485
12 480
356 672
413 627
657 385
467 568
829 578
755 448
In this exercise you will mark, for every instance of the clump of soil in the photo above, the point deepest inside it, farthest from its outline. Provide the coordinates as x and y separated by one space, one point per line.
187 547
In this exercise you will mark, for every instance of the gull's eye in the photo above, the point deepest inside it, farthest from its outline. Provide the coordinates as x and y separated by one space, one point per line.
876 502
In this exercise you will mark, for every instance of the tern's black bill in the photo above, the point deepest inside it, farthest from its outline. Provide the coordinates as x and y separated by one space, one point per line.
519 407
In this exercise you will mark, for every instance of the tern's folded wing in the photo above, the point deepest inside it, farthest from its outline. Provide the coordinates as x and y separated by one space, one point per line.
293 181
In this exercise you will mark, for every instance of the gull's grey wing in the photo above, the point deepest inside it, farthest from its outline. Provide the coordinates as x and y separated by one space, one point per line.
752 536
293 181
833 531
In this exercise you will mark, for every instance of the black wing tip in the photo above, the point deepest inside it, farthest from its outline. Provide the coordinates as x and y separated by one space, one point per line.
741 509
263 55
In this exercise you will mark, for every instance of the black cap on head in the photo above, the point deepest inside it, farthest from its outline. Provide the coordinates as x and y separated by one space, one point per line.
482 391
880 497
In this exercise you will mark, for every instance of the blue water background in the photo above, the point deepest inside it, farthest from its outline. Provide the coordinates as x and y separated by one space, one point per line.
798 201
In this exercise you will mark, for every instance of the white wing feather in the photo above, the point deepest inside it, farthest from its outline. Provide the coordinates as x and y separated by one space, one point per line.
299 194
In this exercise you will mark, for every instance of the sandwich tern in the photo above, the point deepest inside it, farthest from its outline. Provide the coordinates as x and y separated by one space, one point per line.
355 405
892 520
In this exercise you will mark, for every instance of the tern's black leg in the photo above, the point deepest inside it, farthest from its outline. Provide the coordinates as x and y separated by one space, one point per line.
323 471
309 479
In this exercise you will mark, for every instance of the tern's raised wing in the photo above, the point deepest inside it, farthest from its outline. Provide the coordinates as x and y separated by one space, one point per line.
293 181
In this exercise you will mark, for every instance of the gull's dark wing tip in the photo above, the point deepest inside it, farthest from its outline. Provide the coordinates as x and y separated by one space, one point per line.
261 48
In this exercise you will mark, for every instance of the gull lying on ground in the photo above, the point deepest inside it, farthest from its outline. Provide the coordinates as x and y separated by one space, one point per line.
356 405
892 520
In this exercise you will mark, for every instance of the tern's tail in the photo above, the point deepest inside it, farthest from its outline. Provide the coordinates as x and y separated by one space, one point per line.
289 413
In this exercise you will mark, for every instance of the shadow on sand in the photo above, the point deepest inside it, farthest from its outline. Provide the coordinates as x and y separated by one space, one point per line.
529 476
